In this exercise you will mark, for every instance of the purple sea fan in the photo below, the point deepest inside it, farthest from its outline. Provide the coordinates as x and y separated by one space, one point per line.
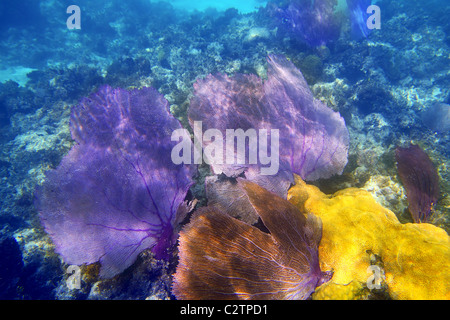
224 258
358 17
313 21
313 139
117 191
420 180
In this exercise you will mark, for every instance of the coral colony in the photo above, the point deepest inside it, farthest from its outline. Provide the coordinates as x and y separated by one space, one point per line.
119 190
416 259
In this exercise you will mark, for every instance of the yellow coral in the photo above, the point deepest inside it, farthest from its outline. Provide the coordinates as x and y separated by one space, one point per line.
351 291
415 257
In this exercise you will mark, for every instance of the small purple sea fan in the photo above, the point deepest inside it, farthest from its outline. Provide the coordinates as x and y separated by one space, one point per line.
358 17
313 21
420 179
117 191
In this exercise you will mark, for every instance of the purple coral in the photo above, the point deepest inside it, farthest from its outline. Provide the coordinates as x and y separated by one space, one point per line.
420 179
437 117
313 139
313 21
117 191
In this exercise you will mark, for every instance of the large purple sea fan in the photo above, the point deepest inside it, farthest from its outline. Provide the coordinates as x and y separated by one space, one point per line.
117 191
420 179
313 139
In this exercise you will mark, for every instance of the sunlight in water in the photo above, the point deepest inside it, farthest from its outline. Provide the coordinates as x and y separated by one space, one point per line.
201 5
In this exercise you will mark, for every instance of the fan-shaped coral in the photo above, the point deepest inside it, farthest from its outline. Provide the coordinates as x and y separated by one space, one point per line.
313 139
358 17
224 258
421 181
117 192
313 22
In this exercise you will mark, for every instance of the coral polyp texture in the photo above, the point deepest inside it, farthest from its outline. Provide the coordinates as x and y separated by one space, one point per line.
117 191
420 179
413 259
313 139
224 258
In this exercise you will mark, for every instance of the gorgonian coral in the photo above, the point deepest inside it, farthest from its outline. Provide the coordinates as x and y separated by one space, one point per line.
313 21
224 258
313 139
117 191
420 179
358 17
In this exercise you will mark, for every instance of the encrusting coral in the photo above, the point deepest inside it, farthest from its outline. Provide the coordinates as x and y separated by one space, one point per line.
415 257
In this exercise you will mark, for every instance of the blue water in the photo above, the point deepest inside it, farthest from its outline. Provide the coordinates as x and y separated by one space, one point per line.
242 6
385 84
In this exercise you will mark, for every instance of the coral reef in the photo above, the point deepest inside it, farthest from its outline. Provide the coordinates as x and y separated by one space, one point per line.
389 193
224 258
414 257
147 279
386 86
117 192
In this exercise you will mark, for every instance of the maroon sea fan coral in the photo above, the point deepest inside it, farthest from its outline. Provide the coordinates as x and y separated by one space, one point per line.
224 258
420 179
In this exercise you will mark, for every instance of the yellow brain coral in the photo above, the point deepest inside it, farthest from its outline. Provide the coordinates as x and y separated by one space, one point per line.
415 257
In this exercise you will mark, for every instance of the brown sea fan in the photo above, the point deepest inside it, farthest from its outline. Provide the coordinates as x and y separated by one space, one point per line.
224 258
420 179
